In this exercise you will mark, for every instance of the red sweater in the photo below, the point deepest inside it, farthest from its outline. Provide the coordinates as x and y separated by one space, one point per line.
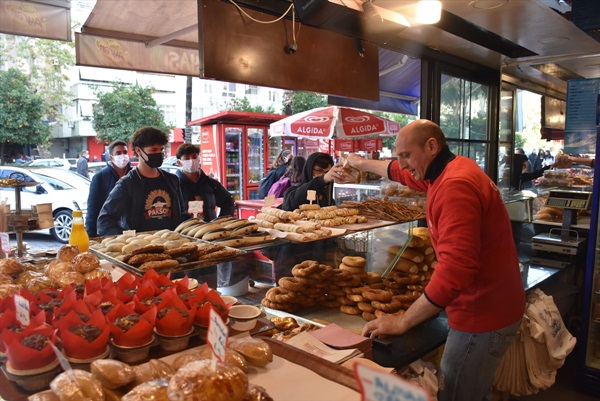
477 278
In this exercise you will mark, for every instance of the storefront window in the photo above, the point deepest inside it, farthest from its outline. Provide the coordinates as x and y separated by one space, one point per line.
505 150
464 111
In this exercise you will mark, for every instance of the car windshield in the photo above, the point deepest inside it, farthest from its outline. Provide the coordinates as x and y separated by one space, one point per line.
60 179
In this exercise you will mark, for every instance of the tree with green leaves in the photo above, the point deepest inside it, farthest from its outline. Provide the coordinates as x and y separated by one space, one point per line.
297 102
22 112
45 62
244 105
120 112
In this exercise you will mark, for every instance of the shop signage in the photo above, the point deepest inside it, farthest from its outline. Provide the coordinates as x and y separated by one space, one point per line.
98 51
344 145
28 18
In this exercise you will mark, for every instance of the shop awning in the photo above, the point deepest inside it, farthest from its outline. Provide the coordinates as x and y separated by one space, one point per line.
46 19
162 36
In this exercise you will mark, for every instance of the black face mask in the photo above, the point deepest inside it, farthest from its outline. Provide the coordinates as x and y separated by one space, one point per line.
155 160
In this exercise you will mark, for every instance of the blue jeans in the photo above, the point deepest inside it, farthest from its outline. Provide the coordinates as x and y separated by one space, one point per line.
470 362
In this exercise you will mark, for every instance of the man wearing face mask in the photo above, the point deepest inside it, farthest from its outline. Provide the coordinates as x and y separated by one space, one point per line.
103 182
197 186
147 198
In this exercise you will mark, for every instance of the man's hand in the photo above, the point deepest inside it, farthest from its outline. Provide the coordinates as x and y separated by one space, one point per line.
384 325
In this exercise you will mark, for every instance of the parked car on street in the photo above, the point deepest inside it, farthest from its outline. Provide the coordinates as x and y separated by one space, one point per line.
93 168
54 163
62 188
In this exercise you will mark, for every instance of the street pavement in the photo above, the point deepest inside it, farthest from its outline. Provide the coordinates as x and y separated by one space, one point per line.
36 241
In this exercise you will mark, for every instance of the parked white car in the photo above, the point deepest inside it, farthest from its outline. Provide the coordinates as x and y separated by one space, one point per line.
62 188
53 163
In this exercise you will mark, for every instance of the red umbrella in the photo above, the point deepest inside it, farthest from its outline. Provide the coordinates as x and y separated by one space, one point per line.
334 122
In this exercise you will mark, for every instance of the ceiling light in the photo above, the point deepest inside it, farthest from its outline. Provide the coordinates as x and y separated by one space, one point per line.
429 11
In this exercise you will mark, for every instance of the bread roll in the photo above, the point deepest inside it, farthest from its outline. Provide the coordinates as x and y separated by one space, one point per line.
155 390
256 351
67 253
85 262
86 386
112 373
197 381
10 266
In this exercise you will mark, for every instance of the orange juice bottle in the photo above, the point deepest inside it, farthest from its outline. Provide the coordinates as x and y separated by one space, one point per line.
78 235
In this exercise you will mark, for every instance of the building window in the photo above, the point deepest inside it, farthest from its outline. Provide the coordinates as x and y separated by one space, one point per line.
228 89
251 90
168 112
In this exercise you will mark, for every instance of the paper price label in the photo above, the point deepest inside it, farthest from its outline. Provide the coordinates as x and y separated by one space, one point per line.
216 337
195 207
129 232
269 200
311 195
5 240
378 385
22 310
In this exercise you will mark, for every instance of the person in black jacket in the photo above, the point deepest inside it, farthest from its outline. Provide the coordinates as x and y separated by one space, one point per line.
520 176
103 182
278 169
318 175
147 198
196 185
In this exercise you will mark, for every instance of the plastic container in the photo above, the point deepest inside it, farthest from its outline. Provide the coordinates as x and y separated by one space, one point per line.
78 235
243 317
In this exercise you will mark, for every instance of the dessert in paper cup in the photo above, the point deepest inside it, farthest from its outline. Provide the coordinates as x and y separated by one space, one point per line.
83 339
211 300
80 307
130 329
174 317
145 298
127 286
9 322
30 350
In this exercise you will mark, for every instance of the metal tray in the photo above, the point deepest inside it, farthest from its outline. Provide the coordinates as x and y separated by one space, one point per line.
237 254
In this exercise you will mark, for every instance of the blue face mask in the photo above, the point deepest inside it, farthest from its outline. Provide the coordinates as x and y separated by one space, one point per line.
155 160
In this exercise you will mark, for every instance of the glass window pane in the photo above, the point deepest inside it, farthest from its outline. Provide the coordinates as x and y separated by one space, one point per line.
506 115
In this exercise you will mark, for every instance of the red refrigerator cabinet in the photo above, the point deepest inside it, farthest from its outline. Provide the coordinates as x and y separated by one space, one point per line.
234 149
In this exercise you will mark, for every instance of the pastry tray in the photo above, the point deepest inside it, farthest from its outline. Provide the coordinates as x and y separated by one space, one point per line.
236 254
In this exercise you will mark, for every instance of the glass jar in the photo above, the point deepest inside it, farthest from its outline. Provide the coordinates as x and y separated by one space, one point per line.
78 235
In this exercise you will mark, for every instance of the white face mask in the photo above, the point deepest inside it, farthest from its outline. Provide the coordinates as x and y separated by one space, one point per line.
120 160
190 166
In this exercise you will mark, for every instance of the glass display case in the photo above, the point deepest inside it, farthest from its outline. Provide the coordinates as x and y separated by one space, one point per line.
355 192
233 161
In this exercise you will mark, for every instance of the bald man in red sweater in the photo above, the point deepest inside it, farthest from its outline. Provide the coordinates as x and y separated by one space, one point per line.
477 278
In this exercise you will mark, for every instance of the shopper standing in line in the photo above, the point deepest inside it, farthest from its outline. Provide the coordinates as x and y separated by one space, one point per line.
104 181
318 175
197 186
278 168
147 198
82 164
477 279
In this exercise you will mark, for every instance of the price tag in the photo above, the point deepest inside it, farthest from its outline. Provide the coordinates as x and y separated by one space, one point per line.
129 232
216 337
378 385
5 239
195 207
311 195
22 310
269 200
